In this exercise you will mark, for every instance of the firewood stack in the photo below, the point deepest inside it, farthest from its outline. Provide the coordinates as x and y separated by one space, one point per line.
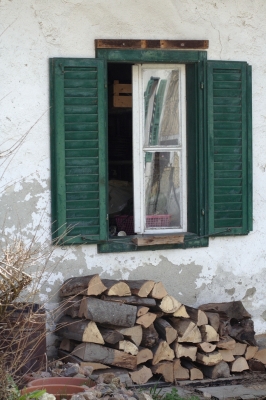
138 326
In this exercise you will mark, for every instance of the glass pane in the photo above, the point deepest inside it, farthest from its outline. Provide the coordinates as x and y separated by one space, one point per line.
161 107
163 189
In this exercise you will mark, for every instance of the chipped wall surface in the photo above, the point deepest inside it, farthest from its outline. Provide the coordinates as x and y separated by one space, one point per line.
31 32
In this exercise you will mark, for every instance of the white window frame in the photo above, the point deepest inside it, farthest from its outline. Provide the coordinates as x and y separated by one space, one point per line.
139 149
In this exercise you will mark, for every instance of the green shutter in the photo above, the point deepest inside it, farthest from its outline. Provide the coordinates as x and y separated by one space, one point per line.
229 147
78 149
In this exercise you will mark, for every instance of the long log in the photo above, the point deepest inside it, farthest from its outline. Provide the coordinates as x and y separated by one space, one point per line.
90 285
96 353
133 300
77 329
231 309
166 369
165 330
108 312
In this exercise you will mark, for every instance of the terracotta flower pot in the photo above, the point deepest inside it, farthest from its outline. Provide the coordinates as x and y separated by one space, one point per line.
59 391
60 380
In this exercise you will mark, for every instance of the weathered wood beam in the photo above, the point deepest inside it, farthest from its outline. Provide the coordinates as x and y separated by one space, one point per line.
150 44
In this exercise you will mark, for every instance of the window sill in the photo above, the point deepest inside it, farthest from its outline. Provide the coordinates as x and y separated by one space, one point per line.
125 244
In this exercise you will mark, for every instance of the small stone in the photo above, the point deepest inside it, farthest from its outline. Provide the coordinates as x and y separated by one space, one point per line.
71 370
78 396
87 371
89 395
47 396
105 378
45 374
79 375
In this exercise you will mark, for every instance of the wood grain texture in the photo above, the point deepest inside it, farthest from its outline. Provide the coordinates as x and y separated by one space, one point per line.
150 44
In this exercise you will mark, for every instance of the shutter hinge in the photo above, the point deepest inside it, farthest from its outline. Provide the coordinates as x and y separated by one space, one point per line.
201 85
107 217
202 211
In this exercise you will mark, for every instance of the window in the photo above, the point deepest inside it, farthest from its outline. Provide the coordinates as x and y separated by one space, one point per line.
198 171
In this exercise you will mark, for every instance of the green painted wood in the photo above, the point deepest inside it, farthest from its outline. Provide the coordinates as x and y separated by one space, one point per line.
78 100
227 147
249 150
154 56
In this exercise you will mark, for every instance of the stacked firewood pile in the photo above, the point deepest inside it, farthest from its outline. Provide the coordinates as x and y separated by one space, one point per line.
138 326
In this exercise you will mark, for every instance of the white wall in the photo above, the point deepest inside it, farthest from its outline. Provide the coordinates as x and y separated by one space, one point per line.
34 30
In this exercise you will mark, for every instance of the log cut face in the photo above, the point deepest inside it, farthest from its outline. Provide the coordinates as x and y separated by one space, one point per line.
90 285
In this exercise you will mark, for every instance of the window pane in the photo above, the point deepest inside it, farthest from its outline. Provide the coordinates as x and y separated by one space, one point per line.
162 189
161 105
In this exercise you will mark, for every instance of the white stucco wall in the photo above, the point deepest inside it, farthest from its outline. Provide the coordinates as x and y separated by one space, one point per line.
34 30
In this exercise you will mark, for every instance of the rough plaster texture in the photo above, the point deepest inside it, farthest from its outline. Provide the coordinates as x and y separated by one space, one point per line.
31 31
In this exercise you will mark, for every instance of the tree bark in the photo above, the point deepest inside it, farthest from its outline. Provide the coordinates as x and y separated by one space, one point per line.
165 330
90 285
77 329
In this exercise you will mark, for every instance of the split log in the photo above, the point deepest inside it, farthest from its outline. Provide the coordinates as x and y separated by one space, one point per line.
96 353
242 331
90 285
66 357
220 370
158 291
227 355
231 309
140 288
255 365
239 365
162 352
146 320
209 359
165 330
208 333
206 347
197 316
134 334
240 349
141 376
166 369
110 336
150 337
194 372
77 329
70 306
169 304
181 312
116 288
213 320
184 351
187 331
128 347
227 343
142 311
180 373
133 300
108 312
144 355
261 356
250 352
68 345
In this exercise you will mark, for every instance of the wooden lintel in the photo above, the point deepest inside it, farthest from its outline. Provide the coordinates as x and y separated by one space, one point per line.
151 44
151 240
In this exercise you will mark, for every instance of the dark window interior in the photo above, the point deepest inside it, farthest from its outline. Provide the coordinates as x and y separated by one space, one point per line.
120 154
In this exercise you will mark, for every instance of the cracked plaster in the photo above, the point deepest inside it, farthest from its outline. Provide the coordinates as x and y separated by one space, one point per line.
32 31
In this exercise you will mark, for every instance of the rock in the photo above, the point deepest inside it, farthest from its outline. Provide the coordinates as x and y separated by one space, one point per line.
106 378
71 370
47 396
87 371
78 396
45 374
89 396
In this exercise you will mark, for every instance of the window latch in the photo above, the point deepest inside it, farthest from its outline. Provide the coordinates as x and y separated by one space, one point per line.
201 85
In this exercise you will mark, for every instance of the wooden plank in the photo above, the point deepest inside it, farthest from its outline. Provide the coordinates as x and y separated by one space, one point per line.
152 240
150 44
